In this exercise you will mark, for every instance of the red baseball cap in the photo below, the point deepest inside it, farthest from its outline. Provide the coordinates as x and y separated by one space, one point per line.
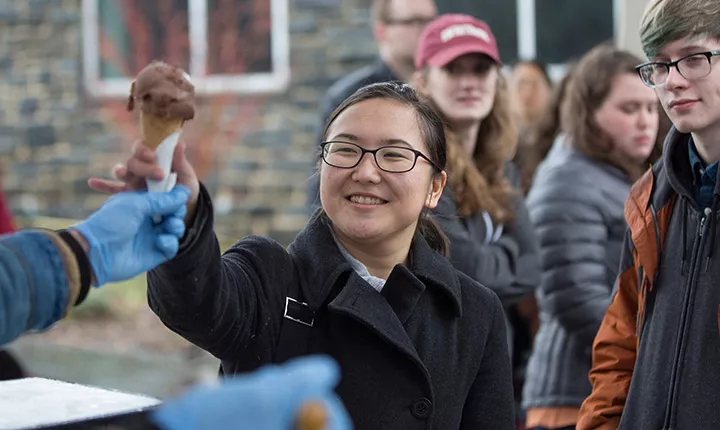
451 35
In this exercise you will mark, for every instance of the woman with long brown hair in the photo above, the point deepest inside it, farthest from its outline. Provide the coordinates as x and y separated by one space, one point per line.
481 209
609 122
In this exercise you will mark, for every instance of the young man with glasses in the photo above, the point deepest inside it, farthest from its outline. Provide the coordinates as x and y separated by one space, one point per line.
656 357
396 26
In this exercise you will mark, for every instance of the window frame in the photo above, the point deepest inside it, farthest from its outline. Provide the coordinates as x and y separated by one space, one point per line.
527 34
249 83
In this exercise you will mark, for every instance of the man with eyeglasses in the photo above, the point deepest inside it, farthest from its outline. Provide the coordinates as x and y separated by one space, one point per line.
397 25
656 357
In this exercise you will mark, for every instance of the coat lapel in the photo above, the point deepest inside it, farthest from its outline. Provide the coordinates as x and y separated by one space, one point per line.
359 301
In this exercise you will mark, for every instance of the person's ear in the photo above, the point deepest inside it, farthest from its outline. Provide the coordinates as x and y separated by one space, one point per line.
436 188
418 80
379 31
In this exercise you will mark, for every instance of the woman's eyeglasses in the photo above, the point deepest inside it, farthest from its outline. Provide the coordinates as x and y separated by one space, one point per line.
393 159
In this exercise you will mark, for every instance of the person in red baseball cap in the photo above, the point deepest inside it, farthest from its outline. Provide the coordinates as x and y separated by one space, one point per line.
482 211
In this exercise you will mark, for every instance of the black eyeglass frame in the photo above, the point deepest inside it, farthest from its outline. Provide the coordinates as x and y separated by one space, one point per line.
708 55
374 152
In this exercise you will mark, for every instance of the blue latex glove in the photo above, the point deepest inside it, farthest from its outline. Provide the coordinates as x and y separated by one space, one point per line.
124 241
267 399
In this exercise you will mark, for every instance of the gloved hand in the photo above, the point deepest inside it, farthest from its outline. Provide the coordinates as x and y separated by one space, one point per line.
124 241
267 399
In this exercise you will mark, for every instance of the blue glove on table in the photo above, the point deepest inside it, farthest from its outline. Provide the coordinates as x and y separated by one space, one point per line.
267 399
124 241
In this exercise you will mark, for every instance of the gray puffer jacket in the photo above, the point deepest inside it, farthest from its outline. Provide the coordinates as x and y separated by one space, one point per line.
576 206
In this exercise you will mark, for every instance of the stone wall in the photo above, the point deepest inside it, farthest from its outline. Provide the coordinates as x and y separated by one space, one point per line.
53 136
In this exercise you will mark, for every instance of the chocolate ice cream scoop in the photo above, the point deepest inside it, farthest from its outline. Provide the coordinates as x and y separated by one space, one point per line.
164 91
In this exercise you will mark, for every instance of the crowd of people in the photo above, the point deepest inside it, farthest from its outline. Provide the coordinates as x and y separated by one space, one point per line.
487 247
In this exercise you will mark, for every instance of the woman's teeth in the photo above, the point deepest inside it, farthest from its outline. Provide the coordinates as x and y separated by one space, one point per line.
364 200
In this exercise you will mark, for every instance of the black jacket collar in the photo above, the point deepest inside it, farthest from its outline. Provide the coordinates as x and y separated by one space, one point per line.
321 264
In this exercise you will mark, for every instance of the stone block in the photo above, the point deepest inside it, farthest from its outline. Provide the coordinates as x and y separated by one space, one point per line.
242 165
295 165
28 107
80 186
8 143
357 56
16 80
279 138
8 15
63 17
45 78
40 135
302 4
6 63
350 37
69 67
75 159
305 24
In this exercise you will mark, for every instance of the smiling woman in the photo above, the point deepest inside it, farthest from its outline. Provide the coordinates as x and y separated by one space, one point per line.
363 282
377 200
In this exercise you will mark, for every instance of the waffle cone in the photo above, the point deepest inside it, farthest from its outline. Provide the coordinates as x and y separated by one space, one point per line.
155 129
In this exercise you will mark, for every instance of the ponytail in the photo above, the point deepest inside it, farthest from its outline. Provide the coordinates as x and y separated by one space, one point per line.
434 236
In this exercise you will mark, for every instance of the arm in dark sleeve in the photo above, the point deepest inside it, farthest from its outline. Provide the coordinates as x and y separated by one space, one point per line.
494 265
219 303
490 402
573 237
38 282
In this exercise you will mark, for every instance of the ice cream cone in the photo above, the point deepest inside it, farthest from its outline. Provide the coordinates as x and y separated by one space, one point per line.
156 129
166 98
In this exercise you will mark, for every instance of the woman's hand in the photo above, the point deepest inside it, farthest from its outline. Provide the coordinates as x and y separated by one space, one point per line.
142 165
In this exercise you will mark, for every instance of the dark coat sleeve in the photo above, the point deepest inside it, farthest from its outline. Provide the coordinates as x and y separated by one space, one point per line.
221 303
490 404
508 266
564 208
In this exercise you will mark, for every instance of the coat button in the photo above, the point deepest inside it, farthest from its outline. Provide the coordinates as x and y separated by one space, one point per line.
421 408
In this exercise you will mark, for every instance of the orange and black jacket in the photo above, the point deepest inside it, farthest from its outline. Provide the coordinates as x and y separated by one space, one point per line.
656 356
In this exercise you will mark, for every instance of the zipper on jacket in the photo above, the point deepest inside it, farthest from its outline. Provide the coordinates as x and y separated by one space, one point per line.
653 212
641 275
680 344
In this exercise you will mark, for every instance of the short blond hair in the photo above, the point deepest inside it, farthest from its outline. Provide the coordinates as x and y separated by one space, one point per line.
667 20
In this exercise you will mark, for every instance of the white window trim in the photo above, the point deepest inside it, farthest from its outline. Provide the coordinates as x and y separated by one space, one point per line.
250 83
527 34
